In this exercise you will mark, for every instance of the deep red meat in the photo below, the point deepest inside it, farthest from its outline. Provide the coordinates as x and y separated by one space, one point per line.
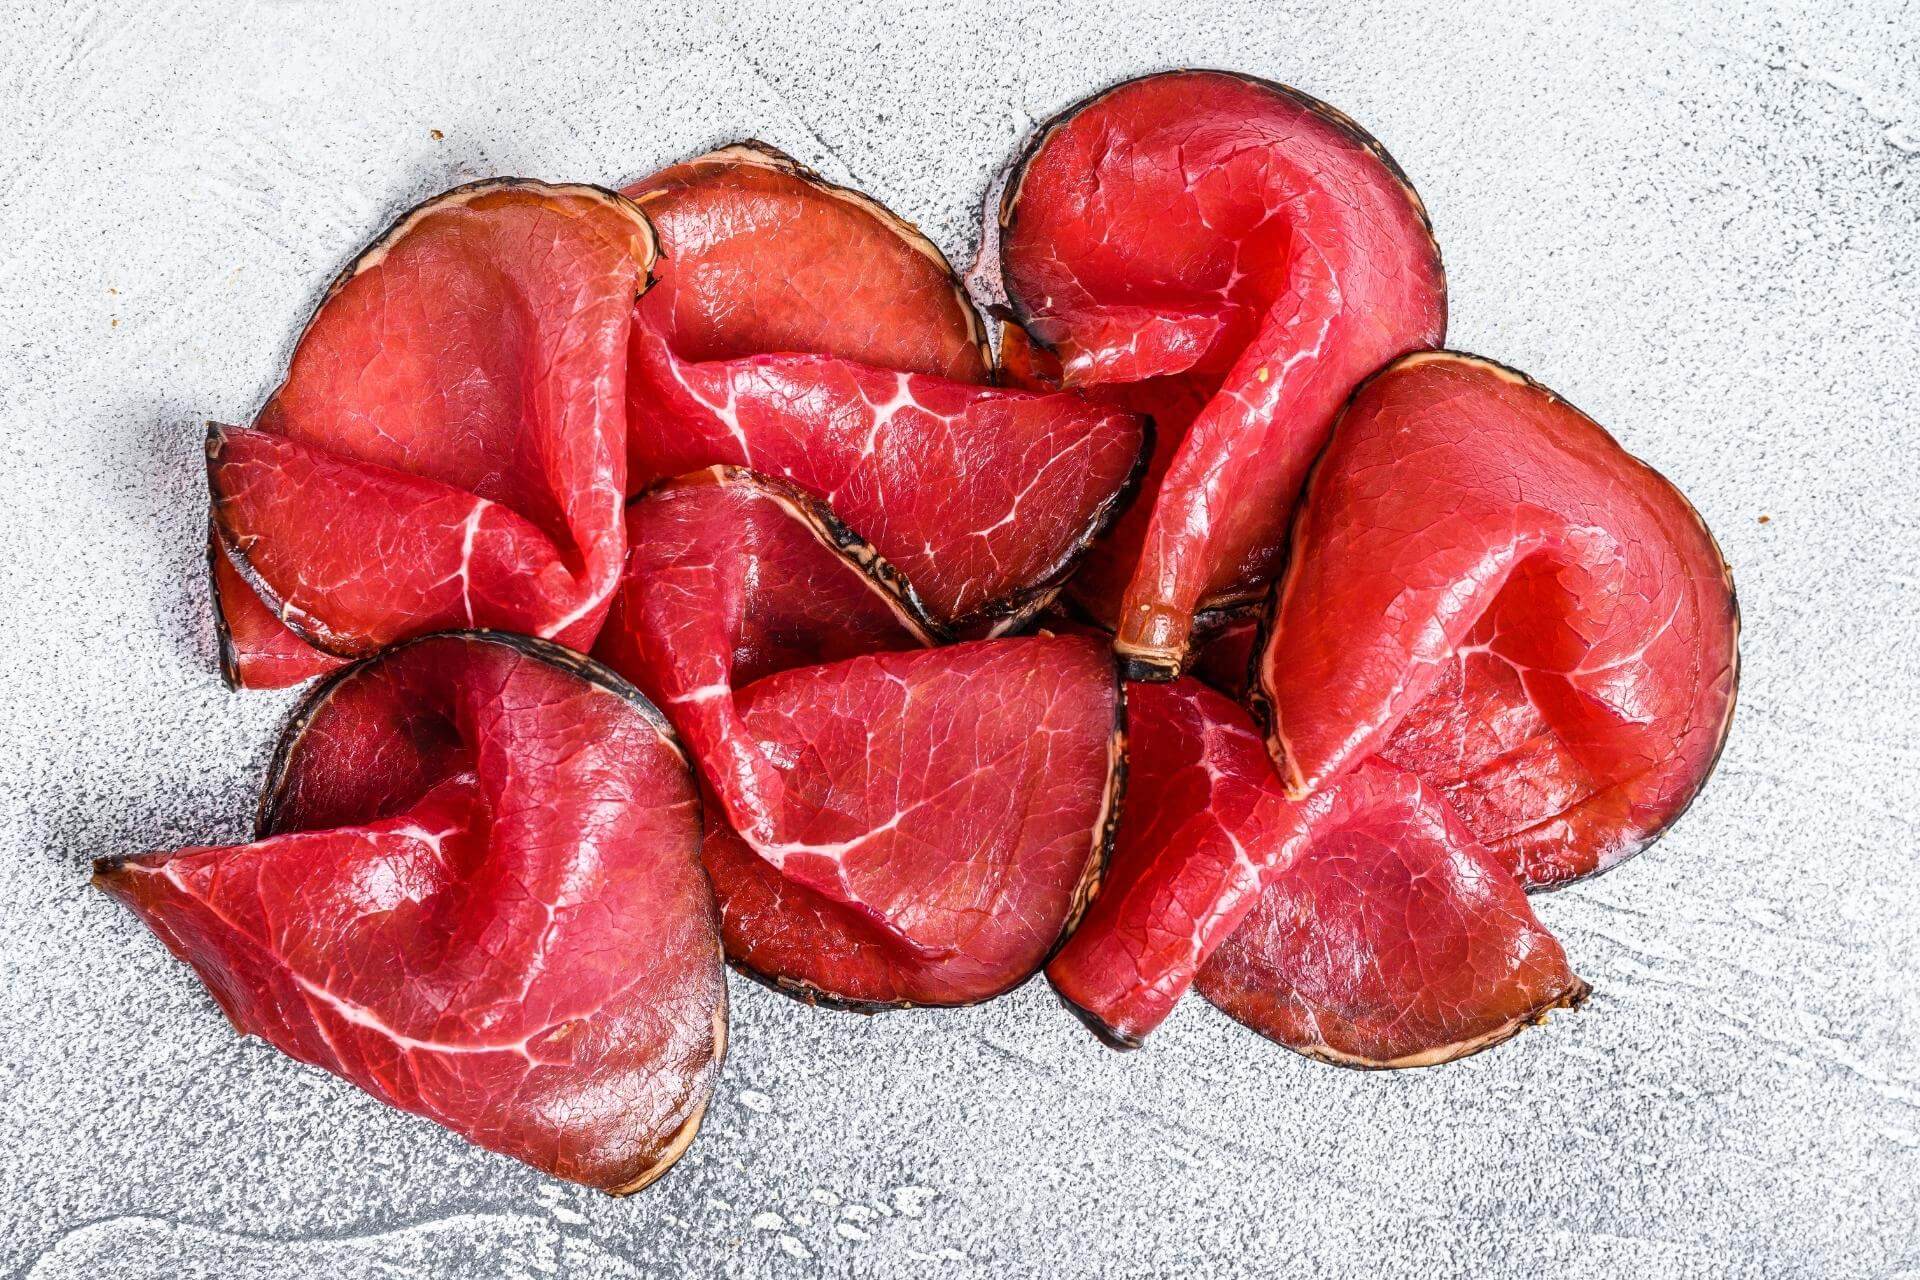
803 331
914 826
764 255
1395 940
1488 590
447 448
1205 826
1232 257
476 894
257 651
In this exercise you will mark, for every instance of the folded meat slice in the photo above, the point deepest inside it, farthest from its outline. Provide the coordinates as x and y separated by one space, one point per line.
803 331
257 651
1486 589
476 894
1205 827
765 255
890 824
1232 257
1394 940
447 449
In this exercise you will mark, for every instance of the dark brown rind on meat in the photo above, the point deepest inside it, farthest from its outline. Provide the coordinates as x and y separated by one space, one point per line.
1106 831
831 532
1015 610
302 624
1570 999
754 151
1260 703
601 677
1014 178
229 655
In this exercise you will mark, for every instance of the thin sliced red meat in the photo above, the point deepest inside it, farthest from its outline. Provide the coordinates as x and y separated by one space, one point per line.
1233 257
913 826
803 331
257 650
476 894
1488 590
1395 940
1205 827
448 446
941 818
762 254
983 497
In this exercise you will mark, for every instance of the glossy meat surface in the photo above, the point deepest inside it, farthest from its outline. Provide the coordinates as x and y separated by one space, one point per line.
888 824
1232 257
1395 940
447 449
1486 589
803 331
476 894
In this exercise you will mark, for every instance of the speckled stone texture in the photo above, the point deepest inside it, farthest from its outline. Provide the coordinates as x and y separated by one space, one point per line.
1700 223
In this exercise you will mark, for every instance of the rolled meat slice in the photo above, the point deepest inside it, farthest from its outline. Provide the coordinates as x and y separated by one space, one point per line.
890 824
803 331
1231 257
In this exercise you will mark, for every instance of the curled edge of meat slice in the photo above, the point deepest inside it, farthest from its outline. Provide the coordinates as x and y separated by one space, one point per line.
785 931
318 789
1391 939
267 642
1545 853
957 338
1166 607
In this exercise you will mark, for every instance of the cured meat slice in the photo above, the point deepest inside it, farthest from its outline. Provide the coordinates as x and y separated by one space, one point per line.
1363 925
764 255
983 497
944 817
731 577
447 447
1205 827
803 331
257 651
1395 939
1233 257
910 826
476 894
1488 590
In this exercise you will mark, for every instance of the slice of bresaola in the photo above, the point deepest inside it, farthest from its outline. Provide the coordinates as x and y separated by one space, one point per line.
476 894
1486 589
1233 257
1395 939
448 446
803 331
890 824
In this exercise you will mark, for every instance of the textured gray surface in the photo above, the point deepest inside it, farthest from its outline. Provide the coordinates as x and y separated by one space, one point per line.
1704 228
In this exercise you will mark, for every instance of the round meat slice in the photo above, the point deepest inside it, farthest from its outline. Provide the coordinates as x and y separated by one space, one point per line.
1486 589
476 894
1233 258
1394 940
448 447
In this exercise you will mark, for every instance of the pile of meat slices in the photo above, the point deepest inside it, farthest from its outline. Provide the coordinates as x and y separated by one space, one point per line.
769 619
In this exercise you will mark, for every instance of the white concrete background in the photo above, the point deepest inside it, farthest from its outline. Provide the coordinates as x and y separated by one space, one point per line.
1701 223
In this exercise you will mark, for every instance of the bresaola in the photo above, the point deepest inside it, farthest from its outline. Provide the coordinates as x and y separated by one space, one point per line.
802 331
738 433
892 824
476 894
1233 257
